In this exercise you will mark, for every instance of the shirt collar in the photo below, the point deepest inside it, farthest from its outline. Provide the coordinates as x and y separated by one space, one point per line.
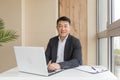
64 39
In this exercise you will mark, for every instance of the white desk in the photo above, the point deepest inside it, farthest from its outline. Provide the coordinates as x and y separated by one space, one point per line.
70 74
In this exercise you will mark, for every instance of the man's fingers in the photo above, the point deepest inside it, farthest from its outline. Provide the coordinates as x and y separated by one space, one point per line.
52 67
49 63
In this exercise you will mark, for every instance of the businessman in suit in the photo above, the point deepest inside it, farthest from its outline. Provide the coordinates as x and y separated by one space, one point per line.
63 51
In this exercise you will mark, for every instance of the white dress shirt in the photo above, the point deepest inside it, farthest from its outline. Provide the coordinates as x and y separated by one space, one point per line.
60 51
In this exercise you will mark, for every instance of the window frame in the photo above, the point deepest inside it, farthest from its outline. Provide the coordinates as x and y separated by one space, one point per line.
113 29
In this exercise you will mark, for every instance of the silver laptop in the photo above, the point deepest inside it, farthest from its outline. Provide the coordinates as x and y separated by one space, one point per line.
32 60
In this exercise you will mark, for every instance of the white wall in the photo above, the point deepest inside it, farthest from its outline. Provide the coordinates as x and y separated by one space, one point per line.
92 24
34 21
10 12
40 21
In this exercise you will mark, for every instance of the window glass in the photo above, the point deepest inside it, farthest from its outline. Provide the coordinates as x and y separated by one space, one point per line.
116 56
103 56
116 40
102 15
115 10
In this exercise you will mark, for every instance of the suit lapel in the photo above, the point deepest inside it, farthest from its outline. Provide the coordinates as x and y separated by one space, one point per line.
55 50
67 45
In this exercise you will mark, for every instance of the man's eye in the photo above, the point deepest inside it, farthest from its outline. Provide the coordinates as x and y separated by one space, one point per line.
60 26
65 26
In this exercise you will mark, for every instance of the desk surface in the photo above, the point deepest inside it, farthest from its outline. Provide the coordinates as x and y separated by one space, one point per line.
70 74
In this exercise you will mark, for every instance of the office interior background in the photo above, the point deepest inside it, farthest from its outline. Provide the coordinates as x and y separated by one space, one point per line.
95 22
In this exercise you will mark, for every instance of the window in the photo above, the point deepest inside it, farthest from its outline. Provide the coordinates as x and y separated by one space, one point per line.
101 29
109 35
115 10
116 38
102 15
103 57
116 55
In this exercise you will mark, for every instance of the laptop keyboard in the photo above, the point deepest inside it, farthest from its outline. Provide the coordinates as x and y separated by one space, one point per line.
54 72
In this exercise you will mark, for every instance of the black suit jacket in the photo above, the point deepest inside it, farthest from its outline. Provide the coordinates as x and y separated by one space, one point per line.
72 52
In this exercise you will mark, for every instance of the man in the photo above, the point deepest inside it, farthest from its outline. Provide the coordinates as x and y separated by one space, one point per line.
63 51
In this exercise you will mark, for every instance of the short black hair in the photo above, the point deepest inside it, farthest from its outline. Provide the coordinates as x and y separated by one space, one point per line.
64 18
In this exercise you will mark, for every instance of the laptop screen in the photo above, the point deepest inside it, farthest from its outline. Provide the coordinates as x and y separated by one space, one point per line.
31 60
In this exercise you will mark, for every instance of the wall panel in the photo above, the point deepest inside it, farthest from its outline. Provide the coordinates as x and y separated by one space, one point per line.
76 10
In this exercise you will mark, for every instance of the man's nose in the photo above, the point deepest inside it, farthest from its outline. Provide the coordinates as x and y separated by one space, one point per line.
63 28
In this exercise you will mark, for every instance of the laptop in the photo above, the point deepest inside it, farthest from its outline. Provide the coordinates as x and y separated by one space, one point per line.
32 60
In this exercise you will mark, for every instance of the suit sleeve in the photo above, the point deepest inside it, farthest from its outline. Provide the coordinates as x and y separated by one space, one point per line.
47 52
76 56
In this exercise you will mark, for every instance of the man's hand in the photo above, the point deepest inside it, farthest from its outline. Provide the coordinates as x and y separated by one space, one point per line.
53 66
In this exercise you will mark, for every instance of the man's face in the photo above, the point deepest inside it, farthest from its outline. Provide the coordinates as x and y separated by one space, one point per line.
63 28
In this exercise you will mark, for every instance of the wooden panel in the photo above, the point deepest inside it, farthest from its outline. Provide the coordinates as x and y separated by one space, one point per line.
114 29
64 9
76 10
102 34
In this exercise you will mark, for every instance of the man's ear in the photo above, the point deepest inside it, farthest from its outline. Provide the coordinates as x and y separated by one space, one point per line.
56 27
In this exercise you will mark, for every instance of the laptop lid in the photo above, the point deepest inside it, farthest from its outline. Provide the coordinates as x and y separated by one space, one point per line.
31 60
